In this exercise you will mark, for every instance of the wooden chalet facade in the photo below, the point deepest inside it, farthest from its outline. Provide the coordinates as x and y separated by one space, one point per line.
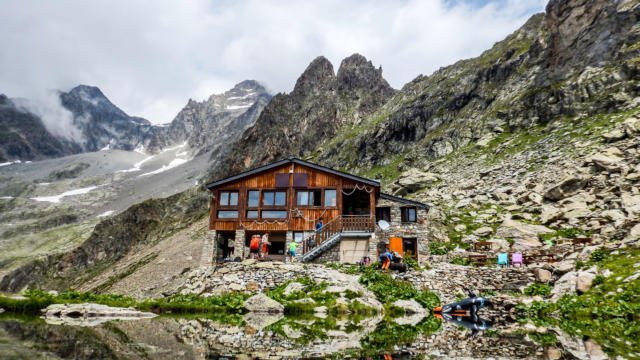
287 198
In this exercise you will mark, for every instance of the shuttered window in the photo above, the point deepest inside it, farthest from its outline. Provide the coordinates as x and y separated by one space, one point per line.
282 180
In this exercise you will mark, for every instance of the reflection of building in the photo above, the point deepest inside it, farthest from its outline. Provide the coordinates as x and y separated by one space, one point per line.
287 198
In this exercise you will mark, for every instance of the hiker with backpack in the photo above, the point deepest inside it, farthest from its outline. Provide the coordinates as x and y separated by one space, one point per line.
254 246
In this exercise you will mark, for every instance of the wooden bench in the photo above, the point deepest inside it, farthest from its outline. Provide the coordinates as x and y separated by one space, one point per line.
482 245
477 259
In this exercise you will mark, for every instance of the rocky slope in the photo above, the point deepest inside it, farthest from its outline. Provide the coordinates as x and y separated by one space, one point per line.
321 103
578 59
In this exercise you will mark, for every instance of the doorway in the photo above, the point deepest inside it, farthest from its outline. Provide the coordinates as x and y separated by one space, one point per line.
356 203
277 240
225 243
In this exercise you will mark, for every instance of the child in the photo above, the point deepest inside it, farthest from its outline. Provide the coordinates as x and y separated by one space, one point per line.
292 251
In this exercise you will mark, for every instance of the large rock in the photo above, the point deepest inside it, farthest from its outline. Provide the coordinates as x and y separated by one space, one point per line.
292 287
263 304
89 314
550 214
260 320
523 233
632 126
542 275
634 233
565 285
631 204
413 180
610 160
483 231
584 280
568 186
614 135
414 312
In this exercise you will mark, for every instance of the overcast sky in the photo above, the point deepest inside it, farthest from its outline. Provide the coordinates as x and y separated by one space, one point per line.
150 57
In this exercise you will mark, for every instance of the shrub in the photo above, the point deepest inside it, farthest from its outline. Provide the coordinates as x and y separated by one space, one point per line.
538 289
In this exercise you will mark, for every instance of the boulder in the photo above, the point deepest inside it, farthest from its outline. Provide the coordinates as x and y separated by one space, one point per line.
631 204
583 281
614 135
260 320
610 160
632 126
500 244
521 232
575 210
292 287
568 186
634 233
89 314
565 285
552 353
613 215
263 304
594 350
483 231
550 214
460 227
414 179
414 312
542 275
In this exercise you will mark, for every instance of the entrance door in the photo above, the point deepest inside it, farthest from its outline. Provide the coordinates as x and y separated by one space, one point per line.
353 249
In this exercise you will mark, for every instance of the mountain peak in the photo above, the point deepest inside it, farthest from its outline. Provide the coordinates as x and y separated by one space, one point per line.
356 72
318 75
87 91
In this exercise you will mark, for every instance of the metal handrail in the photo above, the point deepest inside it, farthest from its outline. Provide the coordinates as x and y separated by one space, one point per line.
341 223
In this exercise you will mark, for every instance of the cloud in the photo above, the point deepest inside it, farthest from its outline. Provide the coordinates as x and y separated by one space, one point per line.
58 120
150 58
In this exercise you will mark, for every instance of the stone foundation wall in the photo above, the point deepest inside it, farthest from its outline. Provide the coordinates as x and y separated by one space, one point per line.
330 255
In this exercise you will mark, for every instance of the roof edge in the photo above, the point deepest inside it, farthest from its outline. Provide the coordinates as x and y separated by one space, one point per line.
295 161
403 200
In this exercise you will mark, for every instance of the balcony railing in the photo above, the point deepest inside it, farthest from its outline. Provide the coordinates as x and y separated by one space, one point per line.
340 224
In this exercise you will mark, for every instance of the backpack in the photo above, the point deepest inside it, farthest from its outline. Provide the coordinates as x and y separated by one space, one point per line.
255 243
312 243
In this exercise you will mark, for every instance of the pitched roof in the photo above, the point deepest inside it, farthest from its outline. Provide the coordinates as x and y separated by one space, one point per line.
375 183
406 201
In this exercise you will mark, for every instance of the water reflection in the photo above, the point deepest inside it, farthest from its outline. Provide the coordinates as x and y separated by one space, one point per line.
283 337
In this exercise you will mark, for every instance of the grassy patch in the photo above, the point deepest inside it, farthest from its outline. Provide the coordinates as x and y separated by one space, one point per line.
538 289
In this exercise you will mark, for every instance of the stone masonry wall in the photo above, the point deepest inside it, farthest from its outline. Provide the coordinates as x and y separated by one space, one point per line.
418 229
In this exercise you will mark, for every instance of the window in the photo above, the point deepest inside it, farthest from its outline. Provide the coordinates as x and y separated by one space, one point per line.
300 180
274 214
274 198
298 237
282 180
410 247
383 213
408 214
227 214
253 198
228 198
308 198
252 214
330 198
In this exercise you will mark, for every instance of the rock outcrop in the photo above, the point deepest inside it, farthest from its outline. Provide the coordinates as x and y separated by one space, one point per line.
88 314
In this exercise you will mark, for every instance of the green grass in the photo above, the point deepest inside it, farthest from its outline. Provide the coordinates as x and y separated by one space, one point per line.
608 312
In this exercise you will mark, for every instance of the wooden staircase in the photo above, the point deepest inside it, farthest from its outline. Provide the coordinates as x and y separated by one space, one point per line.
334 230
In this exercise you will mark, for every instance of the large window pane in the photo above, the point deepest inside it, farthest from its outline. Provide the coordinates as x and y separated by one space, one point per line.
298 237
233 199
330 198
224 198
281 198
274 214
227 214
268 198
252 214
254 198
303 198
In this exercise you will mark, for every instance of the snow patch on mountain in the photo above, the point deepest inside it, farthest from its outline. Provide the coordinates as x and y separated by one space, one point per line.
58 198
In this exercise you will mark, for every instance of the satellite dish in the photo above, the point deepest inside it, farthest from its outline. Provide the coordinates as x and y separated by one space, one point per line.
383 225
